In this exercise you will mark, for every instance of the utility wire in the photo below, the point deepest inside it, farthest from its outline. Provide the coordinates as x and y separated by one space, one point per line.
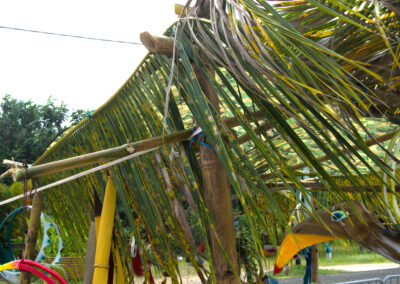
66 35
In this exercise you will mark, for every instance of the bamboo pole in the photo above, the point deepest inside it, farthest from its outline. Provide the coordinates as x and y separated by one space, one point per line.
218 199
33 229
116 152
321 187
103 246
157 44
368 143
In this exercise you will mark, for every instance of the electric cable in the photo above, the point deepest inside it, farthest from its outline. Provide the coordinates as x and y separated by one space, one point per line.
69 35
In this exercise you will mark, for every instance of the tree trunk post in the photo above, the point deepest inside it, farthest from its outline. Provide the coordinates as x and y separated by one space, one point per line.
216 183
218 199
90 254
91 244
33 229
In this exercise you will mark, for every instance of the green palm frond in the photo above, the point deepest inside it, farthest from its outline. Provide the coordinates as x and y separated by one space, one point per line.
319 71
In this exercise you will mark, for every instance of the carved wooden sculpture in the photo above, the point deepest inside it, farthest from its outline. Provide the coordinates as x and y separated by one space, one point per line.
341 222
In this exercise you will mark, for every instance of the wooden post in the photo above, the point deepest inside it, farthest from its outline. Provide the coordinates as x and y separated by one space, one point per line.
91 244
218 198
103 246
216 183
33 229
90 254
314 251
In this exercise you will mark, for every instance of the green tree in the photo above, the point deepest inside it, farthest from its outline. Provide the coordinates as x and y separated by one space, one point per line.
27 129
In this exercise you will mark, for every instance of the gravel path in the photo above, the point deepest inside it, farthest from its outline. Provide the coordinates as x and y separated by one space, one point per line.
364 272
354 272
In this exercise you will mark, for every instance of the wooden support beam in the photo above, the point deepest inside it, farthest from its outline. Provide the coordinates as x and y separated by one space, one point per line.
33 229
218 199
90 254
91 244
14 164
117 152
246 137
314 186
157 44
368 143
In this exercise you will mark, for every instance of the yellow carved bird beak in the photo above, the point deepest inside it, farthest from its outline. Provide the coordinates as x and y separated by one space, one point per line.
293 243
8 265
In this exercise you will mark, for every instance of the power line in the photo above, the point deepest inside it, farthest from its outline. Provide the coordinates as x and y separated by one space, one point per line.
67 35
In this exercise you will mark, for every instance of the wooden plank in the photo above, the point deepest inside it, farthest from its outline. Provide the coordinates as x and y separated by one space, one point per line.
218 199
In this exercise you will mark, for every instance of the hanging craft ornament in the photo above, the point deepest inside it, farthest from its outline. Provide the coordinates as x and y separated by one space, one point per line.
26 265
13 276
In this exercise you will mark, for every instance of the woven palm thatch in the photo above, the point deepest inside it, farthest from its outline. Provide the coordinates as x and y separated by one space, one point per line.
315 69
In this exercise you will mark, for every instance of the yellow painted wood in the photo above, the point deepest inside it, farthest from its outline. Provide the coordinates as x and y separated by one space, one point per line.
97 225
103 246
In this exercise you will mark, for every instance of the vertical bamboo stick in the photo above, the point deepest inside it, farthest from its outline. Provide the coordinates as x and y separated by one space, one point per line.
103 246
33 229
218 198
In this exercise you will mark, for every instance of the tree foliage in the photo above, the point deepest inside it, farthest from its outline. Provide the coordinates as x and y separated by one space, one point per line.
27 129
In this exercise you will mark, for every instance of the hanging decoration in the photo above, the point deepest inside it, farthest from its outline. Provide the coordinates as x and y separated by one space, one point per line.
13 276
26 265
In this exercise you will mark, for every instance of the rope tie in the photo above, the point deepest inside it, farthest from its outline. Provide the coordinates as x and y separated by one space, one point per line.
89 115
198 134
102 266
